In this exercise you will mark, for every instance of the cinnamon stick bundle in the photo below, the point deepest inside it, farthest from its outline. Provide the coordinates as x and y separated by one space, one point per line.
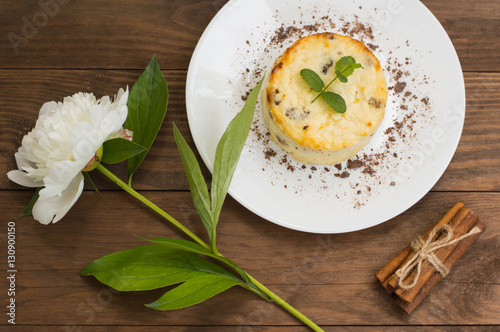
412 274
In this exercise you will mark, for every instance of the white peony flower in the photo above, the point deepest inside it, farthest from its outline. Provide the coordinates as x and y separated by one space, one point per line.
65 141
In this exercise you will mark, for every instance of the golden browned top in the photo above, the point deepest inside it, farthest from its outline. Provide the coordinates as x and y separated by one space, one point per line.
316 125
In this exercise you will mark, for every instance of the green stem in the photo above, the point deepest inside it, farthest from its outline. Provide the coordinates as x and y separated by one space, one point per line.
286 306
324 89
264 289
150 204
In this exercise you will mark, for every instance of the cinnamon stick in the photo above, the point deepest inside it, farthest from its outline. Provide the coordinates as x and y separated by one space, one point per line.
454 256
427 270
384 273
392 281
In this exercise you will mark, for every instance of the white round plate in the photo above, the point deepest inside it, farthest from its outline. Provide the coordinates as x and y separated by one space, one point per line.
409 153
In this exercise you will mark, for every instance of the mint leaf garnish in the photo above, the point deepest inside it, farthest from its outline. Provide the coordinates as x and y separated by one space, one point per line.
335 101
313 79
343 68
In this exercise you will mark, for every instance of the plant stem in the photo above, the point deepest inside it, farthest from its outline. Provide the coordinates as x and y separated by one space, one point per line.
153 206
195 238
286 306
324 89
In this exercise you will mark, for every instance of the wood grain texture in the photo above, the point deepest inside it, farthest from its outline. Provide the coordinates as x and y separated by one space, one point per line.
145 328
101 46
476 165
329 277
121 34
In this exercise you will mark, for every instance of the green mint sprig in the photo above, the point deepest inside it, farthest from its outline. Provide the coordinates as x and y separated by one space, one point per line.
343 68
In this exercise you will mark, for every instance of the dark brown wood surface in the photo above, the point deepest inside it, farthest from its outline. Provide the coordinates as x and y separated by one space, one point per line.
100 46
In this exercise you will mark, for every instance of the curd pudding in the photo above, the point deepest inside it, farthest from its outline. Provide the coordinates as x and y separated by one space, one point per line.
313 133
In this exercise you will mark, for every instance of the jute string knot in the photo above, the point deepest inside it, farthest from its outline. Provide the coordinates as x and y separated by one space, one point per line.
424 250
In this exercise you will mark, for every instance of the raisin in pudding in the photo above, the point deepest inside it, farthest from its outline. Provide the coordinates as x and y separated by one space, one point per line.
313 133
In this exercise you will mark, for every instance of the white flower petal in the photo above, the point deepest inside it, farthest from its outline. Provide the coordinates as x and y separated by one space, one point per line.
47 108
61 174
21 161
110 124
55 208
23 179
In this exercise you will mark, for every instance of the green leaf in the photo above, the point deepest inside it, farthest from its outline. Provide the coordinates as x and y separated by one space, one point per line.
197 184
147 106
196 248
313 79
184 245
193 291
28 211
120 149
228 154
341 77
151 267
335 101
345 67
89 181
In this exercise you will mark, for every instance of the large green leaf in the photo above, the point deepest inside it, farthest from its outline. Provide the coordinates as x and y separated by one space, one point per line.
151 267
196 248
119 149
147 106
228 153
197 185
193 291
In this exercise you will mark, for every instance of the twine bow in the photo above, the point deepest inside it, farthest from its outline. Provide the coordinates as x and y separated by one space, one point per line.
424 250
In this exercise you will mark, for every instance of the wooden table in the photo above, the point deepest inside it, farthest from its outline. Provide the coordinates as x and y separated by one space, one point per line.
101 46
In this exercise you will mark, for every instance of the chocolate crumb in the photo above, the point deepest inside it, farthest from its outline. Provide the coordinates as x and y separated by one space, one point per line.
338 166
369 170
393 184
389 130
269 153
343 175
399 87
353 164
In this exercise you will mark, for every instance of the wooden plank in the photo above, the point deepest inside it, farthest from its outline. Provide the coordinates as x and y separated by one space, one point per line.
330 278
475 166
107 34
297 328
363 304
477 161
